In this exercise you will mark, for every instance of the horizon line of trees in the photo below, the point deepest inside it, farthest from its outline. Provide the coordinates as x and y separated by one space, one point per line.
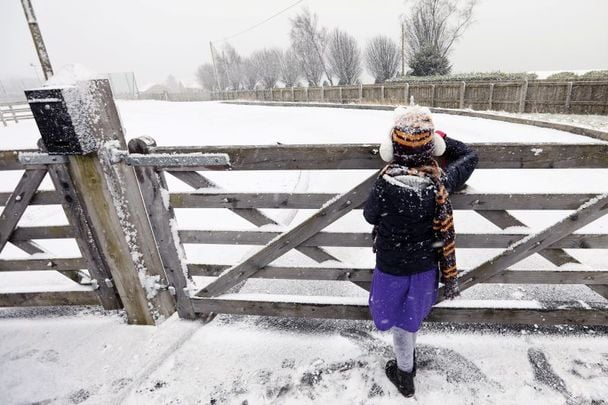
319 57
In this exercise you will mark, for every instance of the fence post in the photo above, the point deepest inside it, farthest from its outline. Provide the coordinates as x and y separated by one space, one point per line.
12 110
491 95
406 93
155 194
382 93
293 94
360 92
307 99
522 96
568 97
2 117
322 93
463 88
108 191
432 95
340 93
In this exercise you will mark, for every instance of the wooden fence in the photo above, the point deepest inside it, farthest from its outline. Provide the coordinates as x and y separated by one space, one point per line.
534 96
14 112
134 178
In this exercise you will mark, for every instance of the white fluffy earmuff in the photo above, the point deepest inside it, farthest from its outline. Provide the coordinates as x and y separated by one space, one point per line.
386 147
438 145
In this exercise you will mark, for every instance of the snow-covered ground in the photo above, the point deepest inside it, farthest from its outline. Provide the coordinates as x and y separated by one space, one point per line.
599 122
97 359
90 358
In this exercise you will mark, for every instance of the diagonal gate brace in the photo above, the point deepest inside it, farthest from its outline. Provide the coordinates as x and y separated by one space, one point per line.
18 201
503 220
329 213
585 214
255 216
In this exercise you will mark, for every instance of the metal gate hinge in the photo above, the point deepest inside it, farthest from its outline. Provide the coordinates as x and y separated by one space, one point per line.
38 158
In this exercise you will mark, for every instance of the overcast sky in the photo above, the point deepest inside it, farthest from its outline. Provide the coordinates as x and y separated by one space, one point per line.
156 38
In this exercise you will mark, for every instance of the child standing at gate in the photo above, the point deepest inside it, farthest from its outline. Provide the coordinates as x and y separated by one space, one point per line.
410 209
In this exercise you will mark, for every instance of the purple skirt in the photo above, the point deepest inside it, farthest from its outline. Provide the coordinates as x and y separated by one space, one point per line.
402 301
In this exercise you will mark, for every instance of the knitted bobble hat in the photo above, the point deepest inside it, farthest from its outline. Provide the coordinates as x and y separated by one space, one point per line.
412 133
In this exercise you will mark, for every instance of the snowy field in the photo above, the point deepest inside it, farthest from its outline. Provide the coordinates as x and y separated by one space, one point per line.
92 358
599 122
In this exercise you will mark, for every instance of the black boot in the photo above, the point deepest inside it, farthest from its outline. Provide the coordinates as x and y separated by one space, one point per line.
402 380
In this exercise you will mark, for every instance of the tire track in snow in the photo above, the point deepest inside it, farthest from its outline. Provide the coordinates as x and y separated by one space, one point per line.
153 365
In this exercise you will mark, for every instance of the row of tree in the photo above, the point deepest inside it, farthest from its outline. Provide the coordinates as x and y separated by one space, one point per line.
318 56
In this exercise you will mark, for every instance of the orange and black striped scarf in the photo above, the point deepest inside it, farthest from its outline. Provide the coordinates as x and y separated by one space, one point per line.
443 221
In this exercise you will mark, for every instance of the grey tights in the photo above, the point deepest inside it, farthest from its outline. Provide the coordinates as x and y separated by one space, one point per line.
404 343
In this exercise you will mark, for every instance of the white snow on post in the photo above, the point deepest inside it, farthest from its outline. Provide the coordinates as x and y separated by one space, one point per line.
70 75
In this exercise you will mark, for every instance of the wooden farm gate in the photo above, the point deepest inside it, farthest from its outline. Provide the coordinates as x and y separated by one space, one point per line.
134 178
310 238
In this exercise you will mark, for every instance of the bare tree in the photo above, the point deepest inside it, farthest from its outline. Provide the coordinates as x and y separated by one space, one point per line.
344 57
268 64
290 68
250 74
230 65
433 26
309 42
206 77
382 58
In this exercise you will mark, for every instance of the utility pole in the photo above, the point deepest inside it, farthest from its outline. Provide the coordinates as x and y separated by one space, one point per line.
402 49
45 62
227 71
217 80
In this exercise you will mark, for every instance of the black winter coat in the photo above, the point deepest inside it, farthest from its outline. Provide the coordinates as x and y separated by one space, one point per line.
403 212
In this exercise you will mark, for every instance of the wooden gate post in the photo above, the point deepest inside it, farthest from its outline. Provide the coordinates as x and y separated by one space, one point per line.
155 193
107 190
87 245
